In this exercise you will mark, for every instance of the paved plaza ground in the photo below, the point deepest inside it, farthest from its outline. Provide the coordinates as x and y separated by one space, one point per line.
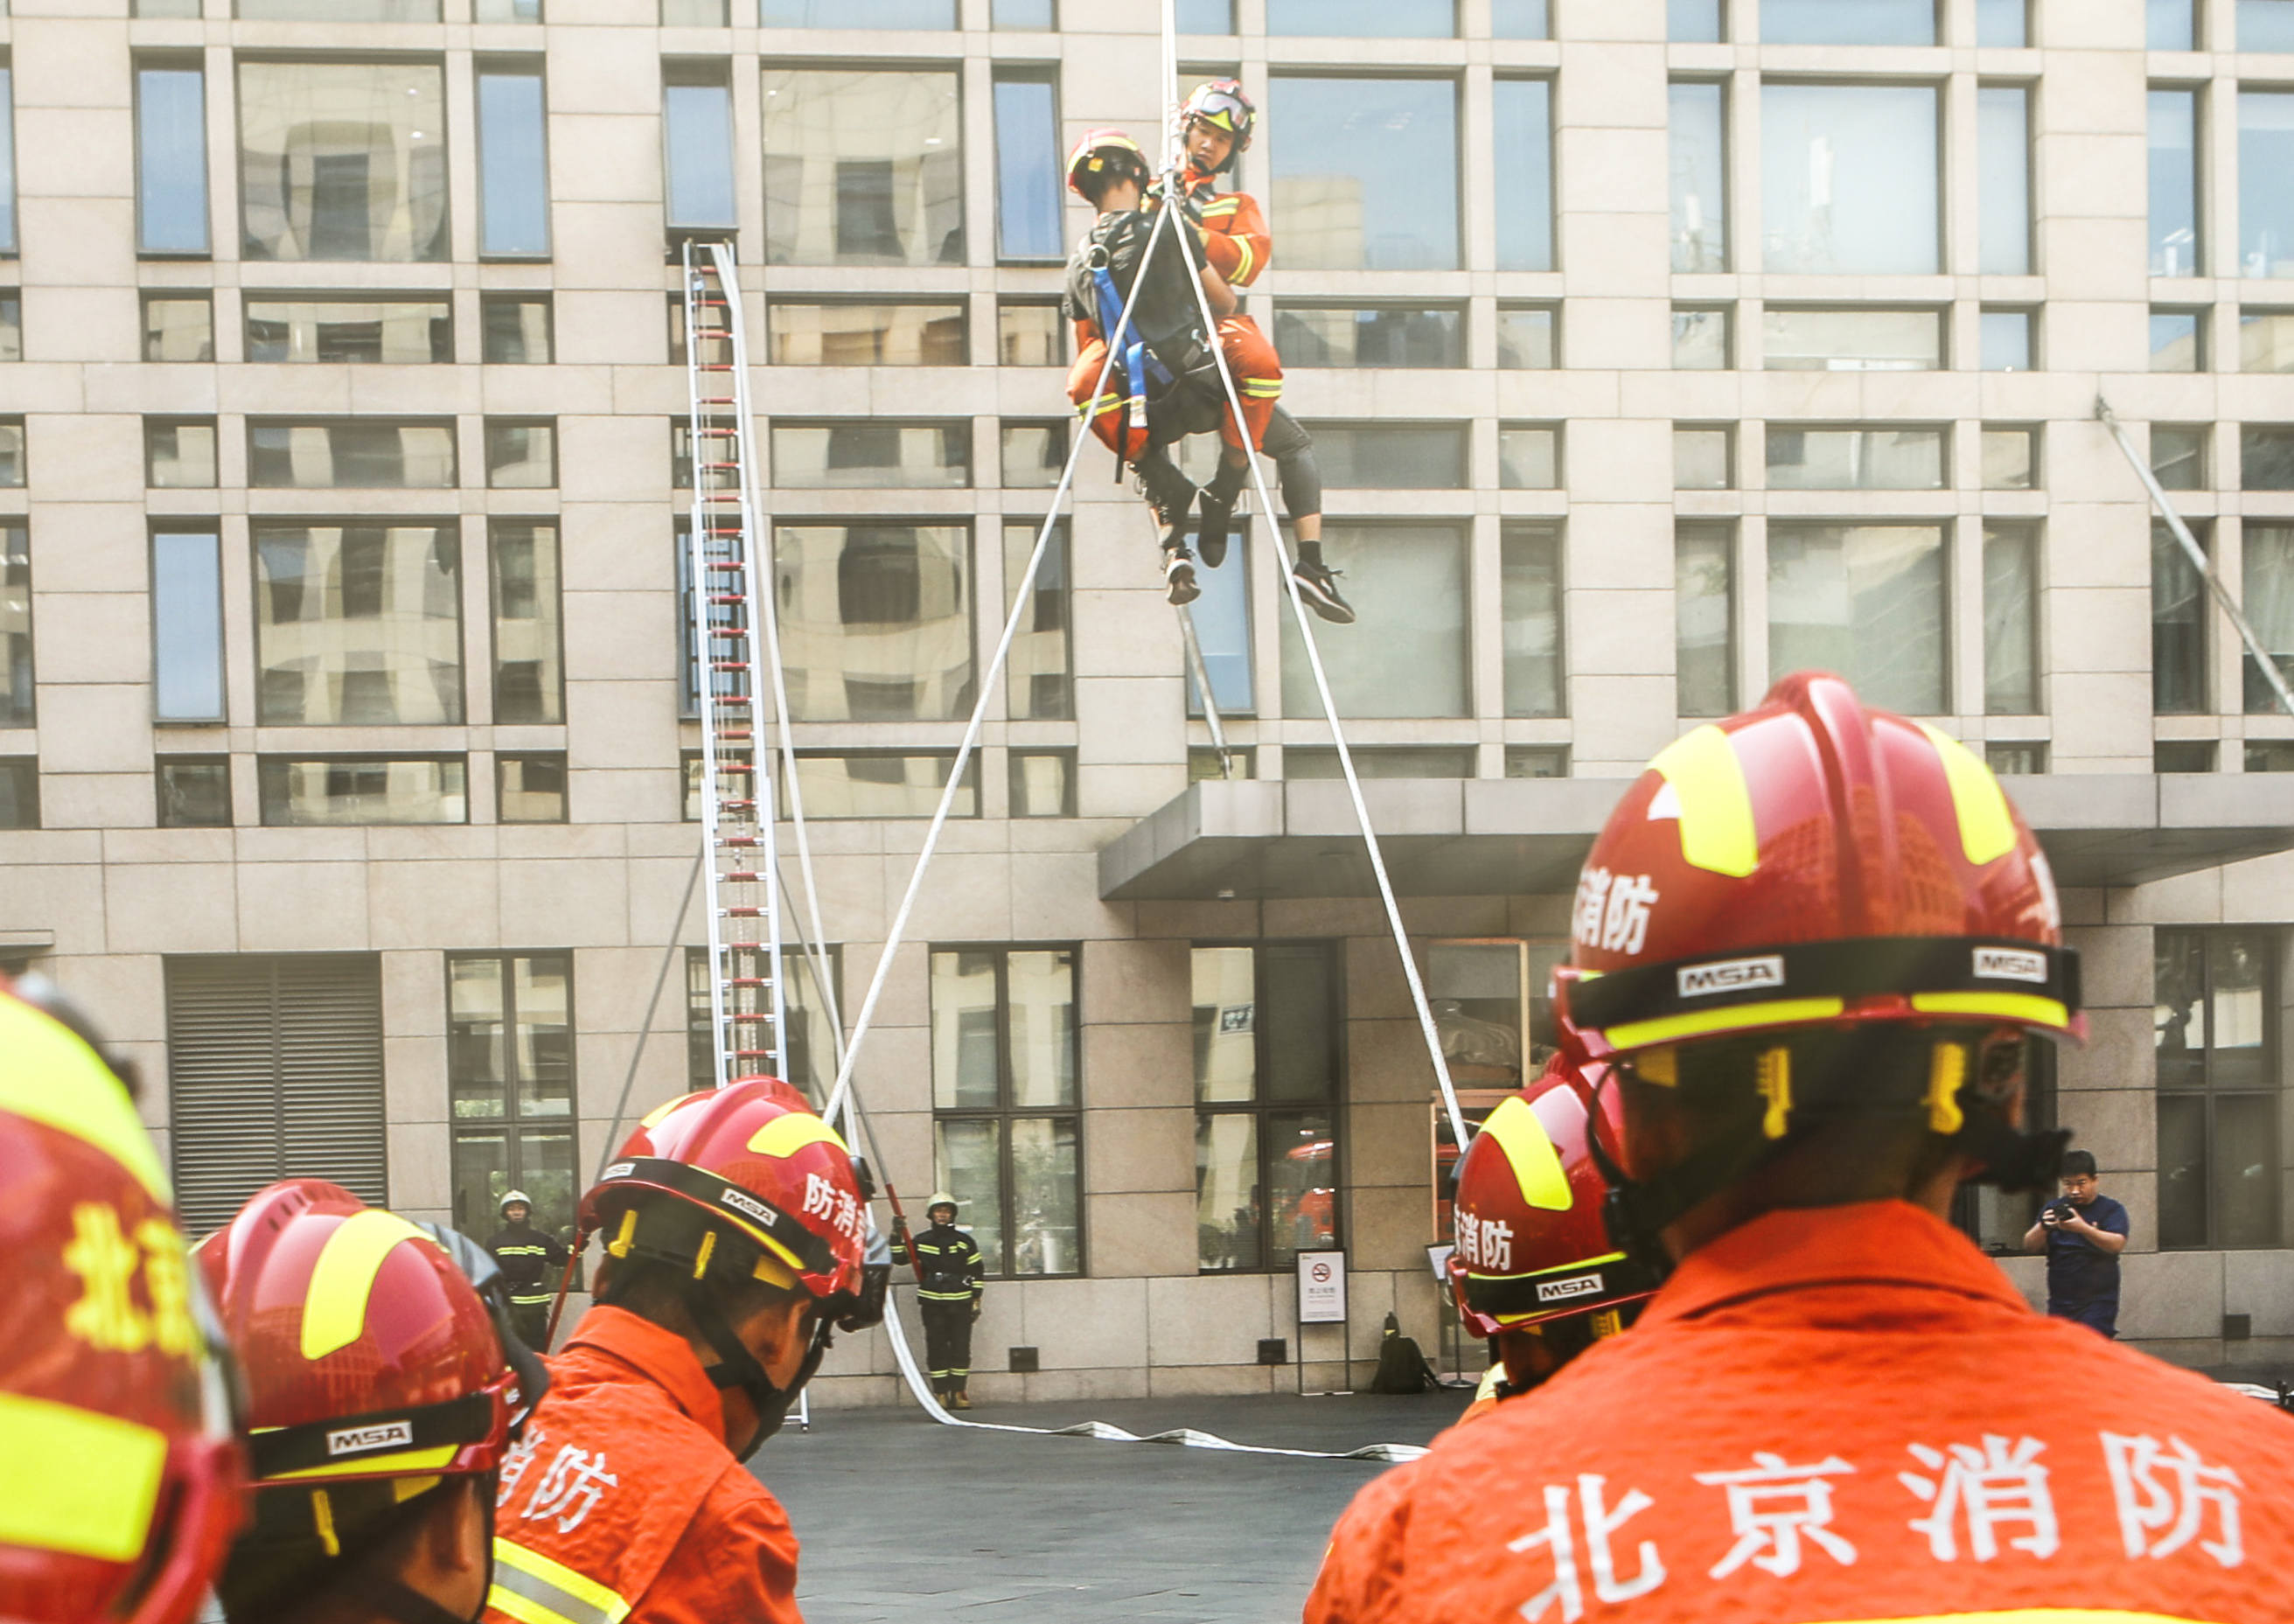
903 1519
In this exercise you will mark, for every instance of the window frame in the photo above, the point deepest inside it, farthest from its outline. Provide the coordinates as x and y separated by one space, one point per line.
211 531
2271 1087
509 1124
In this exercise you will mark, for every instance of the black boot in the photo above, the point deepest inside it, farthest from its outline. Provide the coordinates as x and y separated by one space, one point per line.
1170 494
1215 518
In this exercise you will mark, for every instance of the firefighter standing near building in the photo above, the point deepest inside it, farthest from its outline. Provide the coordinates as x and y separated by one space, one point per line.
382 1392
532 1263
734 1233
119 1475
1216 125
948 1292
1814 942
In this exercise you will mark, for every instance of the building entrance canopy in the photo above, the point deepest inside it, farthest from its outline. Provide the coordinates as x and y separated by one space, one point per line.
1529 836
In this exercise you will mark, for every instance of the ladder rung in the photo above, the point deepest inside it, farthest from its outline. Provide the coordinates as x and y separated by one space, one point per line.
740 876
740 913
737 840
745 981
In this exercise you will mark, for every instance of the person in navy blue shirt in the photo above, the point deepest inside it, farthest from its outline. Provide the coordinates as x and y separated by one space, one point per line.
2083 1235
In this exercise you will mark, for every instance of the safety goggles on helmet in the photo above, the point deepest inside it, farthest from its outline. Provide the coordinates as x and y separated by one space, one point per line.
1222 104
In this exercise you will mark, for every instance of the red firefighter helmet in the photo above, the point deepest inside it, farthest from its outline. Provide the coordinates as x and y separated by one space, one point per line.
1222 104
120 1491
1532 1243
369 1354
1105 153
750 1161
1812 863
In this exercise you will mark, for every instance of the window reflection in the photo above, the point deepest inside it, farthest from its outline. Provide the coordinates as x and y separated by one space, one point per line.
1416 667
176 327
343 790
362 454
1849 176
1371 336
1865 340
1866 601
1525 337
1704 611
1391 456
1529 458
875 784
2174 175
2265 203
194 791
395 331
862 167
528 657
1699 151
841 335
342 160
357 623
1530 604
1365 173
179 454
1521 111
15 623
530 789
872 453
1037 680
2178 626
2268 600
515 329
875 620
2011 641
1855 459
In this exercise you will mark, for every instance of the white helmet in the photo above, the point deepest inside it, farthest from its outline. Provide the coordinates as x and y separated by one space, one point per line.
940 1198
515 1197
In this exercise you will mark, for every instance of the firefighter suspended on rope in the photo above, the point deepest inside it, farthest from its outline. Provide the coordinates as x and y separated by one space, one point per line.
949 1287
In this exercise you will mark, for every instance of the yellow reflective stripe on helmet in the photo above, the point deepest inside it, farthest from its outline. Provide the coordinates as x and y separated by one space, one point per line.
396 1465
334 1310
787 1135
1987 828
1529 1149
1711 800
77 1481
660 1111
1704 1023
531 1587
56 1080
2026 1007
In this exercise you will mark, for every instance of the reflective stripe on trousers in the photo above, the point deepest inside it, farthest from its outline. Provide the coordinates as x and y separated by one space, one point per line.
531 1587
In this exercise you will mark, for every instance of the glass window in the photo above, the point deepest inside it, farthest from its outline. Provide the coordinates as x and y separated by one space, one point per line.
1039 682
1029 333
1704 620
1537 760
2184 756
862 13
7 159
2265 203
876 621
337 11
186 626
364 453
507 10
2173 170
516 328
1527 338
1042 783
1004 1063
509 1075
2002 22
1529 586
1522 112
2005 338
11 325
1028 16
695 13
2265 457
1320 764
1827 23
2266 341
811 1062
178 327
1223 630
1034 454
1365 18
194 791
2269 756
2004 163
864 783
1374 336
2011 459
1519 20
1702 457
1866 601
1862 340
530 788
1529 457
528 637
2215 1023
1391 456
351 790
2267 596
841 335
1266 1082
1365 172
1849 172
1206 16
2179 340
171 158
314 184
862 167
2016 756
1855 459
179 453
1029 188
357 623
11 452
2179 625
871 453
2171 24
163 8
1700 166
15 623
19 792
1700 338
697 129
2265 25
2179 456
2011 619
513 161
521 455
1417 667
361 331
1694 22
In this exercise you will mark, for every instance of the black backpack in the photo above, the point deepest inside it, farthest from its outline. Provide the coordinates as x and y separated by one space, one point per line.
1401 1367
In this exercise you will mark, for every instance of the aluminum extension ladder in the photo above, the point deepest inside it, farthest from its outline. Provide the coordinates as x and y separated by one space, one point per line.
731 564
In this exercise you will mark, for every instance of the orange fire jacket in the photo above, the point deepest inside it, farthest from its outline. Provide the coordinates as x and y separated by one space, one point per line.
1837 1414
1235 239
622 1499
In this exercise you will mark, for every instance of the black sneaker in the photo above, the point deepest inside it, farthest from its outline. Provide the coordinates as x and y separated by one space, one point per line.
1179 578
1214 523
1318 584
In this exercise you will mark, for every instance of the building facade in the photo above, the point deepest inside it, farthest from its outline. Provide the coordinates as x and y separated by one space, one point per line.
346 725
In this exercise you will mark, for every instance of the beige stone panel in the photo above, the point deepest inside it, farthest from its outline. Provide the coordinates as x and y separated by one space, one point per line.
2096 259
1054 897
68 899
1325 915
2103 90
1098 1385
2085 174
2163 1293
1210 1319
93 637
80 152
1389 1145
612 326
624 724
1128 791
1127 981
656 886
1208 921
421 843
1132 1235
432 904
569 903
1617 545
306 907
967 897
617 460
1623 631
95 801
1113 639
1638 720
1137 1066
605 159
2110 729
2115 967
602 1064
619 546
2029 1276
1376 989
126 995
590 67
1390 1228
75 241
2102 629
895 1073
2187 899
2260 892
417 390
2119 1053
97 547
1388 1062
316 845
414 1080
421 1167
905 1139
2260 1284
284 390
541 392
614 244
1126 1150
611 986
2094 336
1213 1381
413 994
2119 1125
621 635
623 797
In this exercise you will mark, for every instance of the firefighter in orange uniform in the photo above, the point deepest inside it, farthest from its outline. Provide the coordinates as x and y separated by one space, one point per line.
1815 943
382 1390
119 1475
734 1235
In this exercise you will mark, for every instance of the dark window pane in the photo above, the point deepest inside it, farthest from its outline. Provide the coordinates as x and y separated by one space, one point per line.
1229 1197
1704 620
516 328
2181 1171
2265 455
1370 336
15 623
2178 672
1301 1017
1699 146
528 657
1530 587
194 793
1866 601
19 792
1391 456
531 788
1302 1167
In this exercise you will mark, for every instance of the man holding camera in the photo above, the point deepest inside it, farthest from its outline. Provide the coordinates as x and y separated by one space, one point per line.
2083 1235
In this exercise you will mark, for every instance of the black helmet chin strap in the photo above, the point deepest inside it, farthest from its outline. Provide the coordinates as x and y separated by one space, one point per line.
737 1367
